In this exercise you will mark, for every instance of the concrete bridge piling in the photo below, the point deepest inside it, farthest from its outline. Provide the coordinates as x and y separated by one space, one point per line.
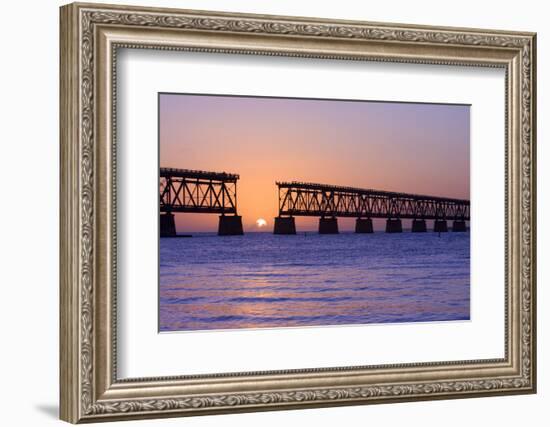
284 225
394 226
167 225
363 225
328 225
440 226
419 226
230 225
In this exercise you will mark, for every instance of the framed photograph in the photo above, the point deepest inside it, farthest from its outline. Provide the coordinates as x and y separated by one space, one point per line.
266 212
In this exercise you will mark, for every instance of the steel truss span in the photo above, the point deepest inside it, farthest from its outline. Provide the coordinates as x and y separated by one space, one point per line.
308 199
183 190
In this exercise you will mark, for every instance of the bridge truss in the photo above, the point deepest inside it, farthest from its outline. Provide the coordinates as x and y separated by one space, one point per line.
183 190
308 199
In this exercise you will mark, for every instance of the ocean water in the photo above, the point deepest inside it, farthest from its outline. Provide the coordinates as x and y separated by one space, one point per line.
260 280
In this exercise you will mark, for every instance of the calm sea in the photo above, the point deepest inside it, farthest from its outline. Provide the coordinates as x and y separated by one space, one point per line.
264 281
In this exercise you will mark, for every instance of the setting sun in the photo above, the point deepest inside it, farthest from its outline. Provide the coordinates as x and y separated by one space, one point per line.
260 222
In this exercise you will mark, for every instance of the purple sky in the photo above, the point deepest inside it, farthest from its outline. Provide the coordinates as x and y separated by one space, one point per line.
415 148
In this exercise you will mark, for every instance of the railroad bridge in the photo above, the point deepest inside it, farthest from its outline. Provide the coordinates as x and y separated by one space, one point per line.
329 202
184 190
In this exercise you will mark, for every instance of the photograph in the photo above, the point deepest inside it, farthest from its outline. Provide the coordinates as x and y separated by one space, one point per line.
346 212
282 212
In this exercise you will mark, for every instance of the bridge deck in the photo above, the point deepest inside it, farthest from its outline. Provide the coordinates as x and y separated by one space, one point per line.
197 174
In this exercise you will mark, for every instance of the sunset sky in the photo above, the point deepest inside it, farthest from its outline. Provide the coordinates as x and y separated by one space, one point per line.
405 147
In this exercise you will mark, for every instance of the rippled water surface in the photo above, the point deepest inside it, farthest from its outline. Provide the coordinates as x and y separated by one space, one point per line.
263 281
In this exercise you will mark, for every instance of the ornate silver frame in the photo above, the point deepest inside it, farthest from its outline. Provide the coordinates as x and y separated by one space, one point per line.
90 36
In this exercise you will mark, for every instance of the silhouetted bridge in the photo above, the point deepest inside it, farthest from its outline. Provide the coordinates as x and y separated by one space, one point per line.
329 202
183 190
